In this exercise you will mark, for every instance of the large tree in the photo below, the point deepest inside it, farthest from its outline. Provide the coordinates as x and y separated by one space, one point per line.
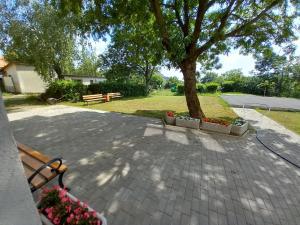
192 31
39 36
277 68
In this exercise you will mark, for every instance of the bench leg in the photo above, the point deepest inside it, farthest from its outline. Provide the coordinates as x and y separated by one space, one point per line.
60 182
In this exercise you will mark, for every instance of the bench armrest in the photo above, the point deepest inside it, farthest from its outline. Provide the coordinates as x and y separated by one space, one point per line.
44 166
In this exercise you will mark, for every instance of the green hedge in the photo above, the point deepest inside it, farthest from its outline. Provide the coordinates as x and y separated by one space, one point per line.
201 88
228 86
212 87
180 89
126 89
66 89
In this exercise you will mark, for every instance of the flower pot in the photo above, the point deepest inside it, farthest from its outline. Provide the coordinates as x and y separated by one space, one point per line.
216 127
239 130
189 123
46 221
170 120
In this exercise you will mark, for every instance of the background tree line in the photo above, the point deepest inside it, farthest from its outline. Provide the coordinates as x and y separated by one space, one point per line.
146 35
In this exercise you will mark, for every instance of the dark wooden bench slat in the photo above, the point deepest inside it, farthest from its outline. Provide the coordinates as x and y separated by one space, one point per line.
93 99
38 181
43 158
36 164
40 169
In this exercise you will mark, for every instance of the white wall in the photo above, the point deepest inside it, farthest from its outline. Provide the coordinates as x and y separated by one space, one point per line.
86 80
12 73
8 84
29 80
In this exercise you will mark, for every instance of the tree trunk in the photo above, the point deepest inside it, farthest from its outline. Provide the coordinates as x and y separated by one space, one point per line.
188 69
147 75
58 71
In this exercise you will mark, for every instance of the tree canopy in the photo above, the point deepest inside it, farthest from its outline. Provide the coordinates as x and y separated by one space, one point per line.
193 31
39 36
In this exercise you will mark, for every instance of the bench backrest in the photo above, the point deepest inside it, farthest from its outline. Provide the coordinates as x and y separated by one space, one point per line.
115 94
25 150
92 97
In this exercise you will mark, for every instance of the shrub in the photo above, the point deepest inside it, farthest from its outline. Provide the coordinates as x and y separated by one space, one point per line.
172 81
156 81
201 88
228 86
66 89
125 88
180 89
212 87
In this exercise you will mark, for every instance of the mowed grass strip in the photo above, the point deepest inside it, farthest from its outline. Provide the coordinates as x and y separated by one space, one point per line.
18 102
156 105
291 120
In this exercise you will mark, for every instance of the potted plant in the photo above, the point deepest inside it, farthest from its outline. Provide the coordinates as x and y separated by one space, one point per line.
59 207
170 118
216 125
186 121
239 126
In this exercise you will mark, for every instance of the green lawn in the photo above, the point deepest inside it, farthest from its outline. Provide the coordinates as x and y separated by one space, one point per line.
291 120
18 102
154 105
158 103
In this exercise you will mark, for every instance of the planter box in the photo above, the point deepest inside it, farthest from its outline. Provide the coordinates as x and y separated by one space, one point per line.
45 220
170 120
216 127
239 130
194 124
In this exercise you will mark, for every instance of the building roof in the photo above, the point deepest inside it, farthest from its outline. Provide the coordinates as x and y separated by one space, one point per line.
83 76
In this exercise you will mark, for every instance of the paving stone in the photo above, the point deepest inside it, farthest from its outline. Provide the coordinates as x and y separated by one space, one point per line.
137 172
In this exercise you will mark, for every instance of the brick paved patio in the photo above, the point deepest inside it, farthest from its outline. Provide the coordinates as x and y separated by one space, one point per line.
137 172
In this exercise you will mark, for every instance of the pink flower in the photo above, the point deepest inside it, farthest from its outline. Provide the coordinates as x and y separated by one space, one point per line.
50 215
86 215
70 218
48 210
64 199
56 187
68 208
77 210
62 193
94 213
85 205
56 221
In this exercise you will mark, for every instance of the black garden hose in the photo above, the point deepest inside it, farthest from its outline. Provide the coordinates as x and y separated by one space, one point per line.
271 150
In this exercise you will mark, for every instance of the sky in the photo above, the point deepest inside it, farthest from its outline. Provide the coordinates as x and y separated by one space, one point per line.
233 60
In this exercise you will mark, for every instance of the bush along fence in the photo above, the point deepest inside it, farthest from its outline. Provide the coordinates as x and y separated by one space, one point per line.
238 127
127 89
74 90
247 85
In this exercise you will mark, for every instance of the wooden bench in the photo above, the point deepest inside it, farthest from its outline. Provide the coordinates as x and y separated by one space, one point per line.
93 98
115 95
40 169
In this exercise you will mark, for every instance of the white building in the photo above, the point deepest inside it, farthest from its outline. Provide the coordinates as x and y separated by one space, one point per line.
85 79
21 78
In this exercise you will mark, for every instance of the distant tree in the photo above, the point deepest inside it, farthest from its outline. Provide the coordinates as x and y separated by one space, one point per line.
266 85
172 81
192 31
39 36
136 49
88 63
209 77
156 81
276 67
233 75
